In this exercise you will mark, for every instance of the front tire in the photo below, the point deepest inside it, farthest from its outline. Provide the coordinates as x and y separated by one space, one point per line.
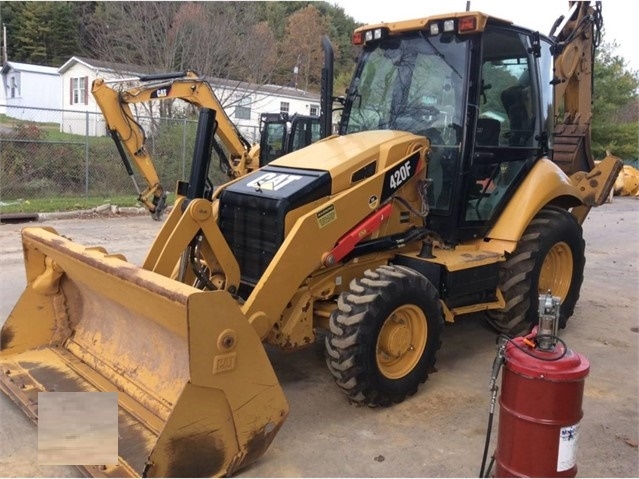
384 335
549 257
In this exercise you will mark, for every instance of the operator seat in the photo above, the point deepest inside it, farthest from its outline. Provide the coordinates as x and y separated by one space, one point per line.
488 130
516 101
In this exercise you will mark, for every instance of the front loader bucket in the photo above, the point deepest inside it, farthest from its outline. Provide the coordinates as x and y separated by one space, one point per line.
197 395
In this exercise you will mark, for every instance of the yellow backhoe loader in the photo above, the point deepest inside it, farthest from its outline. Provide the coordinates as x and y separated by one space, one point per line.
458 183
236 155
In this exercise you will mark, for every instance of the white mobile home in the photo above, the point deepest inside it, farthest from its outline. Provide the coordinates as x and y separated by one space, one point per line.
31 92
243 102
82 115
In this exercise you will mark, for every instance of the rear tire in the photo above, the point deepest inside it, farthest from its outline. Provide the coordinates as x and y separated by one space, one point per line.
549 256
384 335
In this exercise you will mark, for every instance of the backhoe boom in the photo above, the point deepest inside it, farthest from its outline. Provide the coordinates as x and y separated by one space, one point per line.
129 135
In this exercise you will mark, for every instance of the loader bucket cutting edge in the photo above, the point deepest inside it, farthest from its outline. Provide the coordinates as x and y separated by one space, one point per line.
197 395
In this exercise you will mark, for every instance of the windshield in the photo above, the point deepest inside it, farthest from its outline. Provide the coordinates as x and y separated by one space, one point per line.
413 83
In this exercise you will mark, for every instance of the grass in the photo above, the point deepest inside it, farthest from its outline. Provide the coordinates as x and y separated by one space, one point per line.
13 122
49 205
43 139
51 132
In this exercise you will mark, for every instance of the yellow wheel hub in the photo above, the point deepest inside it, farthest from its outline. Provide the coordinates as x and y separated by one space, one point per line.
401 341
556 271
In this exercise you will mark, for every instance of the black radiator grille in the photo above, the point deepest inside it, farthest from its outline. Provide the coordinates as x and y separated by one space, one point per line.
253 213
254 233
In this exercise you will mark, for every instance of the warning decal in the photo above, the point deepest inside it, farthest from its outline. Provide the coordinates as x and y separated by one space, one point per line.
326 216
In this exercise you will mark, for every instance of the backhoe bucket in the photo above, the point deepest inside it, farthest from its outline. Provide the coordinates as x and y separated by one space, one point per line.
197 395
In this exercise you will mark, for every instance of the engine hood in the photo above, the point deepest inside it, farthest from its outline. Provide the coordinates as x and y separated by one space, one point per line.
354 157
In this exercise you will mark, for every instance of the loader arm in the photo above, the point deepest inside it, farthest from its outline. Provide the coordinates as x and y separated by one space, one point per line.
130 137
311 244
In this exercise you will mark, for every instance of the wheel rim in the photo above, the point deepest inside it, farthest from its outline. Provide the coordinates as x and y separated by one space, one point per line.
401 341
556 271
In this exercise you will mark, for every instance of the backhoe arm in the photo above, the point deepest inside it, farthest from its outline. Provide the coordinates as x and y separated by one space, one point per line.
576 36
130 138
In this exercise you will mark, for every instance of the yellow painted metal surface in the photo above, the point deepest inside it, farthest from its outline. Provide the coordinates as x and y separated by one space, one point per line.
361 149
556 270
544 183
463 257
197 393
421 23
114 103
627 182
401 341
548 184
311 236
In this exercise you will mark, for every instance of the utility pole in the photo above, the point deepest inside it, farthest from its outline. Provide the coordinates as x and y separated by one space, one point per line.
296 70
4 45
4 38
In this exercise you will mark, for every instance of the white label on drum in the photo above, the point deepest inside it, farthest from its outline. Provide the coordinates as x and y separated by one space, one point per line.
568 438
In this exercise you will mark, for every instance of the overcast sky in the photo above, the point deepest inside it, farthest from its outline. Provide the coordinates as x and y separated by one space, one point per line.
540 15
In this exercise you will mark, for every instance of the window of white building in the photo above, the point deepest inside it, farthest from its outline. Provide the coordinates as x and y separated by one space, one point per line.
14 86
79 92
243 109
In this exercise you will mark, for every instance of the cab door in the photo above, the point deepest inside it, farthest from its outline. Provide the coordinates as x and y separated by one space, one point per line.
273 135
507 135
304 130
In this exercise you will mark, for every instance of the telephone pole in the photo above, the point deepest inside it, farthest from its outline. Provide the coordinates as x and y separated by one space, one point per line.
4 45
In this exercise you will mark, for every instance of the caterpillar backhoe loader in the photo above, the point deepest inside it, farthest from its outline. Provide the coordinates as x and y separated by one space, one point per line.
236 155
458 183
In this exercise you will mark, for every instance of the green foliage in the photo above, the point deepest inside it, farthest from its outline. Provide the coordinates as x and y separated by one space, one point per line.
30 166
44 33
277 13
615 111
171 148
42 167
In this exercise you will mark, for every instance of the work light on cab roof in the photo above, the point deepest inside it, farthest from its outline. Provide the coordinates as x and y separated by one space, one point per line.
467 24
367 36
460 25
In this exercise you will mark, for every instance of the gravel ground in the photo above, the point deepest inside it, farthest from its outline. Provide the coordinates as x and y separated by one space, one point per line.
440 432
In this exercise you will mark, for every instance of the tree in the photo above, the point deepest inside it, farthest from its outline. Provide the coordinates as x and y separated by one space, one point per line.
217 39
43 33
302 49
615 106
224 40
231 40
277 13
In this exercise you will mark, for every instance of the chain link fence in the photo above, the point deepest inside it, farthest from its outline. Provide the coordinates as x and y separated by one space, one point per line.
53 154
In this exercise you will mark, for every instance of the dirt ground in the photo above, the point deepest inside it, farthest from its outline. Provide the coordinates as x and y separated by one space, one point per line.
440 432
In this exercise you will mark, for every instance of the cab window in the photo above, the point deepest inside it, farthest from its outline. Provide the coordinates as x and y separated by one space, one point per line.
506 133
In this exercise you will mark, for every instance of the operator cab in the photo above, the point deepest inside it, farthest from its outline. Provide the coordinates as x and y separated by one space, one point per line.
488 116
